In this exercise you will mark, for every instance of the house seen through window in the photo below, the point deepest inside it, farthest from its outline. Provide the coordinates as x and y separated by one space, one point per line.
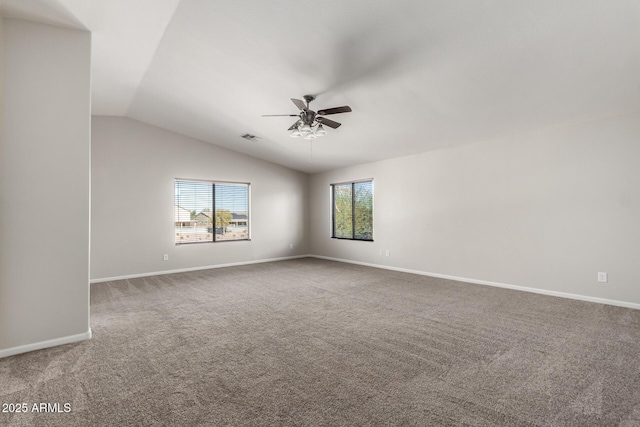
210 211
352 210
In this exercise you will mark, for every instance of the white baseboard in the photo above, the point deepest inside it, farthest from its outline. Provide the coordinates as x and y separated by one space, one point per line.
45 344
387 267
488 283
205 267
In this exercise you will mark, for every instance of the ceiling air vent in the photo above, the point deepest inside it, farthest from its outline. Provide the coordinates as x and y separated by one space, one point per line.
250 137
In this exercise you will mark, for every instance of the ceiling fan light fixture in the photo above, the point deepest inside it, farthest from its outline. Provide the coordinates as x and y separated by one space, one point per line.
295 133
320 131
310 136
306 129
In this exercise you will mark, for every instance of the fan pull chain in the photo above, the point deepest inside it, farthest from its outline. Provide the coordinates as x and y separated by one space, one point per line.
311 151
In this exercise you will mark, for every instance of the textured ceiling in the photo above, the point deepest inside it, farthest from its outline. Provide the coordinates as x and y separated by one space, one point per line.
419 75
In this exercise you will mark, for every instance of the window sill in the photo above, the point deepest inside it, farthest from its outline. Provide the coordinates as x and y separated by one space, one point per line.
209 241
356 240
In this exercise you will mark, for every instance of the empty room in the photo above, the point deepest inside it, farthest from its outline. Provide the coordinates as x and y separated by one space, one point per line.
320 213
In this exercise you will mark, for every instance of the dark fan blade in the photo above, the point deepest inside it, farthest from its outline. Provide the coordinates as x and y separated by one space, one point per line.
328 122
279 115
336 110
295 125
299 103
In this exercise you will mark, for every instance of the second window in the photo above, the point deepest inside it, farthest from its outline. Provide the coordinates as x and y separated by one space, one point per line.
352 210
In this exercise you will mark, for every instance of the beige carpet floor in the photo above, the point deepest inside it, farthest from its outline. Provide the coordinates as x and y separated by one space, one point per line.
313 342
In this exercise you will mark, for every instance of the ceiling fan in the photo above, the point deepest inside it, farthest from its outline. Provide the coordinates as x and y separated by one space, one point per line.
310 123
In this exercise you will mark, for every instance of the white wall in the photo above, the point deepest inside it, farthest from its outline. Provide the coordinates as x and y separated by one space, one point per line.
547 210
1 79
44 185
134 166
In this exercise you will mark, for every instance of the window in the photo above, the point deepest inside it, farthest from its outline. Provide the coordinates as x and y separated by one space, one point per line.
207 211
352 211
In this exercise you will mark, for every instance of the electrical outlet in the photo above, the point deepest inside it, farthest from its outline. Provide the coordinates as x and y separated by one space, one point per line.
290 245
602 277
165 257
386 253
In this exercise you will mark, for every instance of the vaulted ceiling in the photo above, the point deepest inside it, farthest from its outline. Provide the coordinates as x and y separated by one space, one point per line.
419 75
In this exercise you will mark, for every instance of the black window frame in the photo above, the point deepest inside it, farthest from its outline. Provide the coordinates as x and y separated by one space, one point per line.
213 210
353 209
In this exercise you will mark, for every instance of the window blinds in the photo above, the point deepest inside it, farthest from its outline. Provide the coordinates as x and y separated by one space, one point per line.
210 211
